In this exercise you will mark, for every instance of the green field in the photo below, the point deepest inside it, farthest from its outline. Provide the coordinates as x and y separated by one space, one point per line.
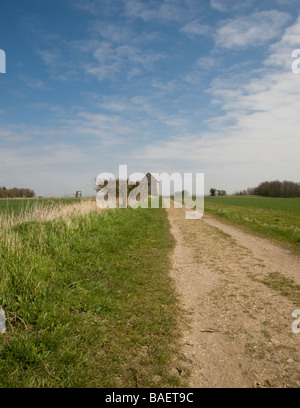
274 218
89 302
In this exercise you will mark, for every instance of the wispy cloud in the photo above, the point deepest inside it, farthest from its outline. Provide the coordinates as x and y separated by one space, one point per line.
118 53
229 5
195 28
167 10
167 87
207 62
51 57
255 29
112 32
218 5
279 55
109 60
33 82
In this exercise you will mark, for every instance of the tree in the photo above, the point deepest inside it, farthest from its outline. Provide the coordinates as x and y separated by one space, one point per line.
278 188
212 192
16 192
183 193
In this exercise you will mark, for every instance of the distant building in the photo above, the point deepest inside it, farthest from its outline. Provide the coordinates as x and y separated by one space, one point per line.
153 185
78 194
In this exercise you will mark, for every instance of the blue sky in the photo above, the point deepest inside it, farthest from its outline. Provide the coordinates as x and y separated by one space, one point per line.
162 86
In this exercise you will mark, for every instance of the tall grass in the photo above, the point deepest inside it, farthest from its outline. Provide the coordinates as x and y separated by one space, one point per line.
23 205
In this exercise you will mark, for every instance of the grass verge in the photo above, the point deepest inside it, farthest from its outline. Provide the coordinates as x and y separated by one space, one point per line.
89 302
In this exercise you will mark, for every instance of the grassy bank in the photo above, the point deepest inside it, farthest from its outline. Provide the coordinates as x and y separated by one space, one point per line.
89 301
23 205
274 218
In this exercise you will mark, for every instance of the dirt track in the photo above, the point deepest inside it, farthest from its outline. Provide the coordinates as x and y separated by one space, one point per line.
240 329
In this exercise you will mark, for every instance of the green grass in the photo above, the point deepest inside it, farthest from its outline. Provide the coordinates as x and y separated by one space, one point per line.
274 218
89 302
285 286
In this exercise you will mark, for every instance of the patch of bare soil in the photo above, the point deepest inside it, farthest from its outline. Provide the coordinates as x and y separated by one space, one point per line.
239 331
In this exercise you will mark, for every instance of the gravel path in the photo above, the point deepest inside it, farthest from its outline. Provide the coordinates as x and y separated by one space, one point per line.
239 330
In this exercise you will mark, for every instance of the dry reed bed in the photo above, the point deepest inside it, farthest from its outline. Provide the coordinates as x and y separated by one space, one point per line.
46 212
41 213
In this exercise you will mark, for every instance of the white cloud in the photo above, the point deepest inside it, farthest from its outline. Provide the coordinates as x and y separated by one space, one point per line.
280 52
207 62
114 106
218 5
257 137
229 5
166 87
77 148
195 28
51 57
108 59
112 32
165 10
255 29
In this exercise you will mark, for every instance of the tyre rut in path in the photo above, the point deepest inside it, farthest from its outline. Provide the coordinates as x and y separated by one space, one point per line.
239 331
